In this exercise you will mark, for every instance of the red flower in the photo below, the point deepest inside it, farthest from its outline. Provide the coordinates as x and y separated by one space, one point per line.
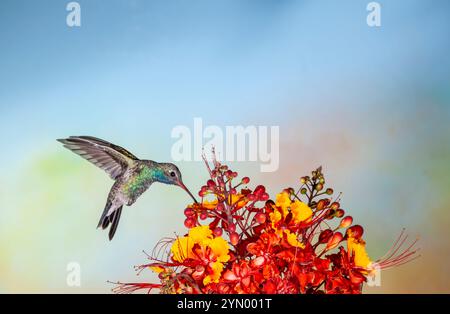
240 241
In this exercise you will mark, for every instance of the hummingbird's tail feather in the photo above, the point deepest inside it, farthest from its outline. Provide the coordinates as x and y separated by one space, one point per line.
109 217
115 222
106 222
104 219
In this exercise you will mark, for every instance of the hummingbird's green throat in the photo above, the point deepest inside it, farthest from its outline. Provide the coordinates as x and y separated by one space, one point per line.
132 176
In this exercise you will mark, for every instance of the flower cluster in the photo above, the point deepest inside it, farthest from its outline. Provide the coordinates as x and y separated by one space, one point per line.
241 241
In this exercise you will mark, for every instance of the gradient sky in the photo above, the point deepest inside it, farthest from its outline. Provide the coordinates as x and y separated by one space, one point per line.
371 105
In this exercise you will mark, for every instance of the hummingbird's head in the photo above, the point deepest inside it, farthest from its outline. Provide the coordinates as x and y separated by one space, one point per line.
172 175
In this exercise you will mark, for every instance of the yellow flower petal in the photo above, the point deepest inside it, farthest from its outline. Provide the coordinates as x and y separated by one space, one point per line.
357 249
217 268
292 239
182 249
220 249
157 269
236 199
203 236
301 212
239 199
283 200
200 234
210 205
275 217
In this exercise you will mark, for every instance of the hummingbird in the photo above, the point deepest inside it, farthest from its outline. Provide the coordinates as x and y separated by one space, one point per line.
132 175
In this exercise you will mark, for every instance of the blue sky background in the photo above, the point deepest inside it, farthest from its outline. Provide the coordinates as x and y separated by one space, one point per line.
369 104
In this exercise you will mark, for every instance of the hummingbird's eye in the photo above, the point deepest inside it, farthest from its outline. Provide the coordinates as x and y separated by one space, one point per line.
172 174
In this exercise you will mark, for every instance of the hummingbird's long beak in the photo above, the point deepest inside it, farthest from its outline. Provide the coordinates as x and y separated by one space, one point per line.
181 185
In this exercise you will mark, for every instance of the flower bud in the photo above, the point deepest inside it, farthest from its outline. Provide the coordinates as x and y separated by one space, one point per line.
211 184
334 241
346 222
325 236
339 213
330 214
231 228
259 190
245 180
234 238
203 215
162 275
289 191
264 197
319 187
189 212
218 232
321 204
335 205
189 223
260 218
220 207
223 168
355 231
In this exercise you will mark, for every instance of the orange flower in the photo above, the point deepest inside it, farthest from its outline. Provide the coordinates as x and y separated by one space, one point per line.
293 240
274 247
214 250
237 200
356 249
301 212
284 202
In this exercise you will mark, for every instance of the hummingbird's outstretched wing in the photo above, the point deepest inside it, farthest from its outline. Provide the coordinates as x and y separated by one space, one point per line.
109 157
